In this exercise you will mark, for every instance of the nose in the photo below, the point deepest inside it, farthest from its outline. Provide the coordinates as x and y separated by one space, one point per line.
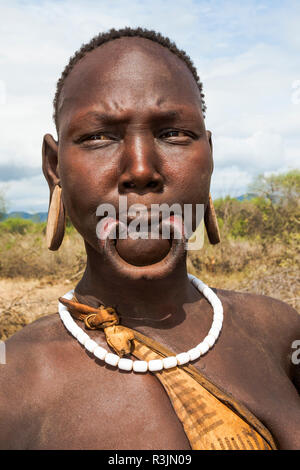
140 164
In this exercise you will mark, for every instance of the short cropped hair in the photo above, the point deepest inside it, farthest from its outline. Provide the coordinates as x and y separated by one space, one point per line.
112 34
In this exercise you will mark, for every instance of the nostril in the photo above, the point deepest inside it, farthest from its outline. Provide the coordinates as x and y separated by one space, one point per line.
128 184
140 183
152 184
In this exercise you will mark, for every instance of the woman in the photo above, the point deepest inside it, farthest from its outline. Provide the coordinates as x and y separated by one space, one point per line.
129 112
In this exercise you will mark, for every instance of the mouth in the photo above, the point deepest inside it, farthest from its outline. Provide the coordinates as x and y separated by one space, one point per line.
152 252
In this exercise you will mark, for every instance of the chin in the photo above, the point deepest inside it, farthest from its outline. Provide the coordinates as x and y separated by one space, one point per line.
145 259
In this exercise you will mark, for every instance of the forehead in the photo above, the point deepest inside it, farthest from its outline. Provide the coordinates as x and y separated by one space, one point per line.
126 74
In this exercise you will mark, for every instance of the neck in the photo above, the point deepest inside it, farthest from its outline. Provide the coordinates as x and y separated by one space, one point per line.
157 301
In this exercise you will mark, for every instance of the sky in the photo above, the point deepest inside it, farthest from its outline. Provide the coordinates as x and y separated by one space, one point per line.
246 54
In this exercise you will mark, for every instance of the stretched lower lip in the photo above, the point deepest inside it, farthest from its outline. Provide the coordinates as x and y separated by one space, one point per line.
157 269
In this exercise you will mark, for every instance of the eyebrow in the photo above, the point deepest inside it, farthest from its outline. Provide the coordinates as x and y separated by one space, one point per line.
95 117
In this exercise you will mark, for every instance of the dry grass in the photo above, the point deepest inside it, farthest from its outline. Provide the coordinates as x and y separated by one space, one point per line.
268 269
24 300
32 278
27 256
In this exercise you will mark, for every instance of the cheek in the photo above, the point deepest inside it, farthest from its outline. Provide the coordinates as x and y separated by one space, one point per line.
200 184
191 174
85 184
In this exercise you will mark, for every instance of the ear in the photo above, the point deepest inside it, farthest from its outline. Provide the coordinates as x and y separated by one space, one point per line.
208 133
50 161
210 218
56 213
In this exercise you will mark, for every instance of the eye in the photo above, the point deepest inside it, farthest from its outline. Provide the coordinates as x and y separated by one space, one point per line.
177 137
95 140
99 137
173 133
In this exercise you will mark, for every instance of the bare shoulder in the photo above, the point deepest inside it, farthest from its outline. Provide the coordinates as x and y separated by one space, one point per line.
264 310
22 376
275 323
28 346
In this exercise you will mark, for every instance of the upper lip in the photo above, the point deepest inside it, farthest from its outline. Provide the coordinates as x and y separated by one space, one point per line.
149 215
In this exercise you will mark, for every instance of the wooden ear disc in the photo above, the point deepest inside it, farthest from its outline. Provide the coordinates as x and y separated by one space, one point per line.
211 223
56 220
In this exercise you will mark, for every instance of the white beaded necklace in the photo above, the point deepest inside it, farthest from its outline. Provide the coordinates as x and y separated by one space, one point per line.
155 364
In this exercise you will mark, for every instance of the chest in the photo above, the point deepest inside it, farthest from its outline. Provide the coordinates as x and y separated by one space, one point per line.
92 406
104 409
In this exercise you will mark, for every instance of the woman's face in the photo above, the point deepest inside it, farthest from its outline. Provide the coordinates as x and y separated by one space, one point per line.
130 124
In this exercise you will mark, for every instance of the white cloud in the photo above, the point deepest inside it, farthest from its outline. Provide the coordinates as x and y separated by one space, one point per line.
231 180
29 194
247 54
260 152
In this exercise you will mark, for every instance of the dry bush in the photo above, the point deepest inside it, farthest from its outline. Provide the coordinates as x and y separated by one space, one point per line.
251 266
32 277
27 255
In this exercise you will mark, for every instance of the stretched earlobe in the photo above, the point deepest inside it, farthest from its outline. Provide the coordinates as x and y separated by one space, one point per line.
56 213
208 133
56 220
50 161
211 223
210 218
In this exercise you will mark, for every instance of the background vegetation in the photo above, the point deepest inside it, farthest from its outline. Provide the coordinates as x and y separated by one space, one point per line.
259 251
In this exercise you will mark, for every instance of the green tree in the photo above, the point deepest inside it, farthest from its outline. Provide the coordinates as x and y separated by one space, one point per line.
273 213
279 202
278 189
